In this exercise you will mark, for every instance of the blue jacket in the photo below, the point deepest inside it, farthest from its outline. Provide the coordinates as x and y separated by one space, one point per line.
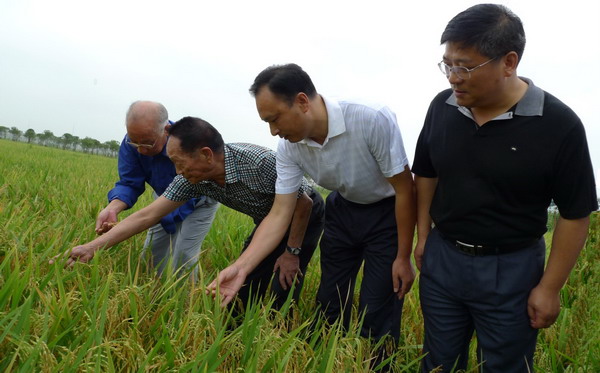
135 170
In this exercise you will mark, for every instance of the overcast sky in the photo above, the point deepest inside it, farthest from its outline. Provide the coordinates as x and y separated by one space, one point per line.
75 66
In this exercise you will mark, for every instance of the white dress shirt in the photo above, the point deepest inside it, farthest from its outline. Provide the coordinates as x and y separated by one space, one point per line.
363 147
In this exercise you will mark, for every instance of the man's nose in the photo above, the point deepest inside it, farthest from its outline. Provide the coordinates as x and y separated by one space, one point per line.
274 129
453 78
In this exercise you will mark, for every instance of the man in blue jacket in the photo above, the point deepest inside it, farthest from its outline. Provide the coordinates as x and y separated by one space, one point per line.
143 159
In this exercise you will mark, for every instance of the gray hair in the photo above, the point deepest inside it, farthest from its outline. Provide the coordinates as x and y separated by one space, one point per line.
148 109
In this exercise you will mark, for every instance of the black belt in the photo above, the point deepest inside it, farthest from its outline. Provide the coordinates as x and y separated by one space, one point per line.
482 250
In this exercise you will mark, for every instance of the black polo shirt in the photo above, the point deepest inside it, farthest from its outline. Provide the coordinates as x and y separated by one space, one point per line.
495 182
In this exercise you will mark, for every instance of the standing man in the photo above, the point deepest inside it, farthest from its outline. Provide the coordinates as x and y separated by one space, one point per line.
241 176
494 151
356 151
143 159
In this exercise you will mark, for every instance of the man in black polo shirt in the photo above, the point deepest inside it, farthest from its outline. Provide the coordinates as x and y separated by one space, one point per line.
494 151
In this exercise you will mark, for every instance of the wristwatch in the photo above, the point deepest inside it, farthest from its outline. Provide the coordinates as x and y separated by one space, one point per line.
293 250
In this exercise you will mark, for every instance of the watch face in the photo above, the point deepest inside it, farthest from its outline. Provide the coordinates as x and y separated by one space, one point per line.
294 250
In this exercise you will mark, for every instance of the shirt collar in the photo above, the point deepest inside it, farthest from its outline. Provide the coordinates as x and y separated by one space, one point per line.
164 149
530 105
335 122
231 173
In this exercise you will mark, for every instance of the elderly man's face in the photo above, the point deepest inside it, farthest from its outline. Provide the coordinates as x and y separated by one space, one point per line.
146 138
194 167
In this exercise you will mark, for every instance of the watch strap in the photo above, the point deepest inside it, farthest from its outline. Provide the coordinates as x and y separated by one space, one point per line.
293 250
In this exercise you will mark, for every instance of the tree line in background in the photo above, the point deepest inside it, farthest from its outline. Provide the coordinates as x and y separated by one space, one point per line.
66 141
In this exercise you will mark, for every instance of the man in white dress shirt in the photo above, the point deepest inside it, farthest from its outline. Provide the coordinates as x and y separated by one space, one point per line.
356 151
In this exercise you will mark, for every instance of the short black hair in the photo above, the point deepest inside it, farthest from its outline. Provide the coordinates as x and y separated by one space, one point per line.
285 81
492 29
195 133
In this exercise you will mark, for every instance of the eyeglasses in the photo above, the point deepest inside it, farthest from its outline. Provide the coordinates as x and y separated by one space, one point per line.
460 71
143 146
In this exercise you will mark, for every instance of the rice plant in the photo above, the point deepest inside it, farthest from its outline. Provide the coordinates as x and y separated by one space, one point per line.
114 315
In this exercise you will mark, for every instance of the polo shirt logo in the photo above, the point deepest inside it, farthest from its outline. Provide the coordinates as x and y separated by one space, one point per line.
513 148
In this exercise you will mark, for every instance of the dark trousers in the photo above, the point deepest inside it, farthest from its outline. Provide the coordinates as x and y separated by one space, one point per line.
461 294
258 280
354 234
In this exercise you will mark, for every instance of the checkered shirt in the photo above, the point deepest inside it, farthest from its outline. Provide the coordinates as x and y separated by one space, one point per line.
250 176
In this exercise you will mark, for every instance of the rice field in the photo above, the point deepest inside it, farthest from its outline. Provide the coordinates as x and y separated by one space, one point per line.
114 315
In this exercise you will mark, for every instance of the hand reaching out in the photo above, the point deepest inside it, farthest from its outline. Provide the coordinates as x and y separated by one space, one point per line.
81 253
228 283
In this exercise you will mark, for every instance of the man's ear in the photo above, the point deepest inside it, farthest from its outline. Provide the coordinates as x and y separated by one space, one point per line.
303 101
511 61
206 153
167 128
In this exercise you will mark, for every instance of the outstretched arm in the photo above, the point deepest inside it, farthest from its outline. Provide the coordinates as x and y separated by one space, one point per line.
268 234
133 224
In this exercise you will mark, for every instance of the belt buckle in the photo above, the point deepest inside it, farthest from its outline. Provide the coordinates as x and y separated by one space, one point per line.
467 248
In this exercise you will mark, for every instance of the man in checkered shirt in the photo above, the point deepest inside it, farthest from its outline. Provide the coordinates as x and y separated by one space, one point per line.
242 177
